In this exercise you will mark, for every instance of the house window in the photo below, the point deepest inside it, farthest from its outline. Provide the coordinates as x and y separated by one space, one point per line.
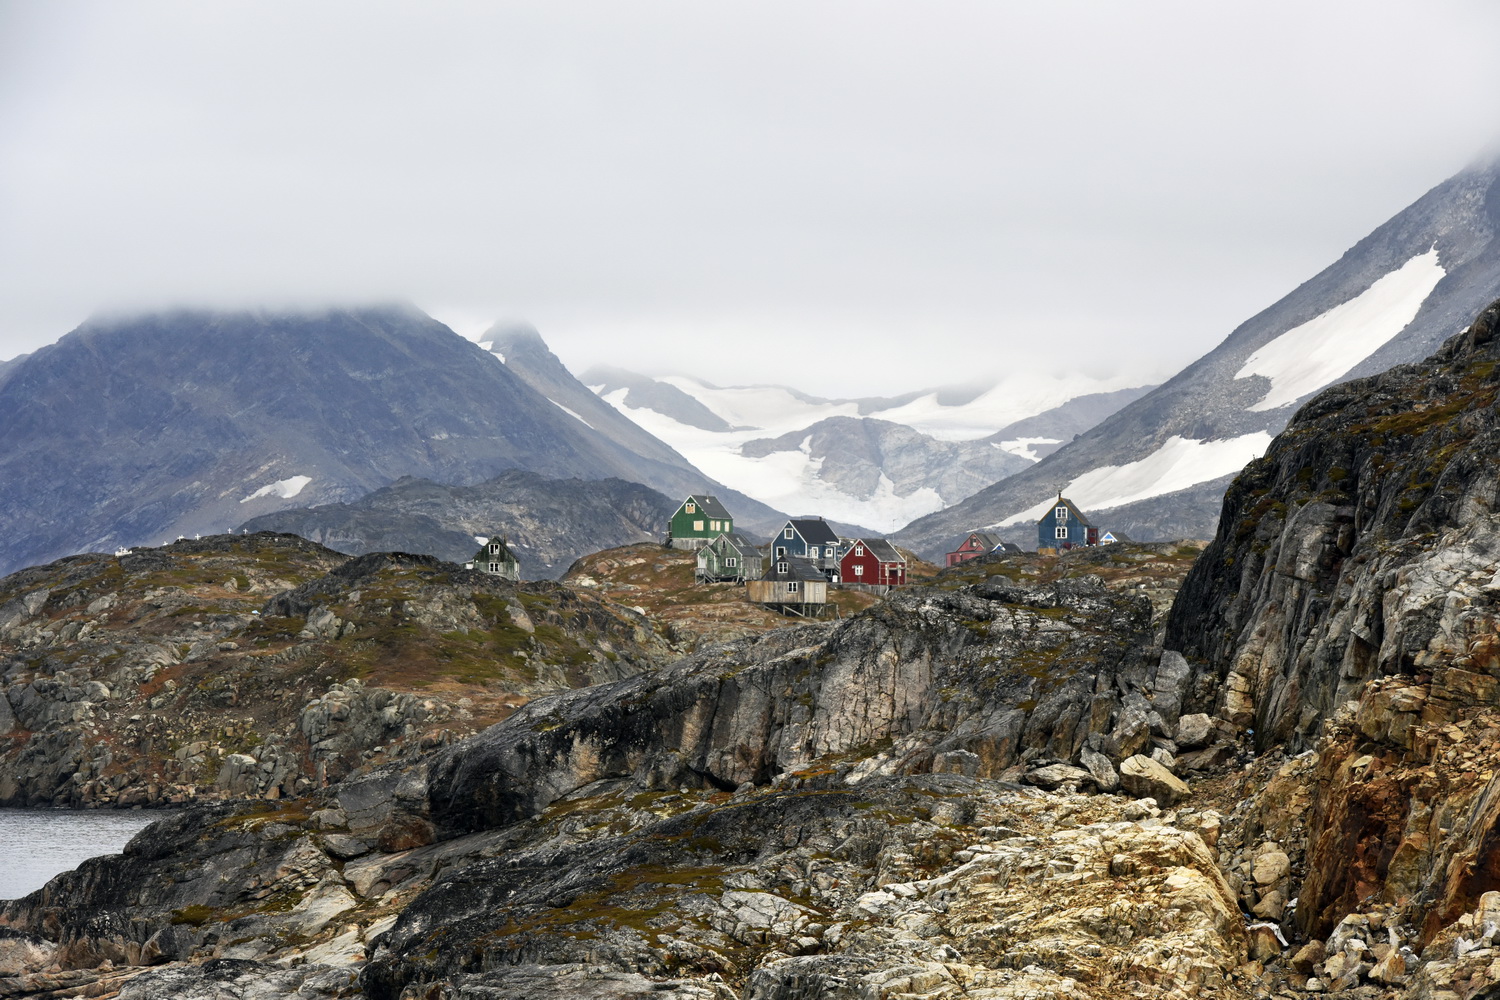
781 567
786 532
1060 532
691 508
494 567
697 525
791 588
812 552
730 562
859 571
1062 514
859 550
494 548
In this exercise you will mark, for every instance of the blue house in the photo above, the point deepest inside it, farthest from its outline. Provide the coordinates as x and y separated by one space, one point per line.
808 538
1064 526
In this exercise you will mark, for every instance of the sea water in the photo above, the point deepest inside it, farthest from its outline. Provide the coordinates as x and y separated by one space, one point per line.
36 844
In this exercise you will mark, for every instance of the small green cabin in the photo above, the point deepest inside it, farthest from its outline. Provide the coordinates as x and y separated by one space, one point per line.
495 558
730 557
698 521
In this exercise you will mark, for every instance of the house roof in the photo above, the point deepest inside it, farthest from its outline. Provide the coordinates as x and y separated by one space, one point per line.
814 530
1119 536
1078 515
1006 547
988 539
881 549
741 543
796 569
709 505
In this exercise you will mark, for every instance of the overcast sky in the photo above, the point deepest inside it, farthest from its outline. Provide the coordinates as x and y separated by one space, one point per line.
850 198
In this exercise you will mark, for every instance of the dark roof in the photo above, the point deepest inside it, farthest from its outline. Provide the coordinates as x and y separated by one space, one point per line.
881 549
741 543
1006 547
1119 536
814 530
709 505
1078 515
796 569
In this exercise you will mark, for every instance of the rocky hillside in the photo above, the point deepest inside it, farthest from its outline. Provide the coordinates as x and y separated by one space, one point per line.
823 810
1033 777
268 666
549 522
1392 298
131 431
1356 577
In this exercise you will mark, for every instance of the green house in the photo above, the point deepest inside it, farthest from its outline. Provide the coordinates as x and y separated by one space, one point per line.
698 521
495 558
731 557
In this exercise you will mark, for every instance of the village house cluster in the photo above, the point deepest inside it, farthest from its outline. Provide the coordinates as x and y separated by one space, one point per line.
792 572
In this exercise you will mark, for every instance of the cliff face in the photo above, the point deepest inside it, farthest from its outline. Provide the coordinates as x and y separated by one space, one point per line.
1365 544
1351 605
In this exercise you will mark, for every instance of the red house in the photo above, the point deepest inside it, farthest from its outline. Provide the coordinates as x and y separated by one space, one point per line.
976 545
874 561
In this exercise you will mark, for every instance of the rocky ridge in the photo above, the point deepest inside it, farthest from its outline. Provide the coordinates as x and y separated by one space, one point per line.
267 666
549 523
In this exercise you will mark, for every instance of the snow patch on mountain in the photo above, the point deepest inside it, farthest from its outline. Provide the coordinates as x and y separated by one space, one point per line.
572 414
1308 357
1023 447
285 488
788 479
1176 465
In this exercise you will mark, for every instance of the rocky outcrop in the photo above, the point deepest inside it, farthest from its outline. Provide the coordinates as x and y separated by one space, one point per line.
1364 545
266 666
1015 676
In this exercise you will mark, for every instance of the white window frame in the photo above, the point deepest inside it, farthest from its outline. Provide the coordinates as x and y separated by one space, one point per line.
859 571
494 567
1061 513
730 562
792 587
859 550
1061 531
787 532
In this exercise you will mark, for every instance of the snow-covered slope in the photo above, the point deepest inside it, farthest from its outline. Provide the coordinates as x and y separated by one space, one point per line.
1392 298
874 461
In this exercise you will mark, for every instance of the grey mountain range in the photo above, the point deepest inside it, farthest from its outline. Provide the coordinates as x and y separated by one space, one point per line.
134 430
1206 402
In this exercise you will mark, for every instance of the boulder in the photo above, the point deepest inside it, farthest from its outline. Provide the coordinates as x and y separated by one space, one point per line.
1106 778
1145 778
1194 731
